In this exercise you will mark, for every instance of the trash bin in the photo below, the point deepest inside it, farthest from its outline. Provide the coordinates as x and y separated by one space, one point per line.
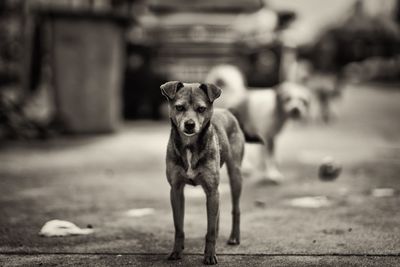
87 54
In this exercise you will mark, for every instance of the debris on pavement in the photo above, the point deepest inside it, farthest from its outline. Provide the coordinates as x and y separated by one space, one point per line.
310 202
334 231
62 228
329 169
259 203
139 212
382 192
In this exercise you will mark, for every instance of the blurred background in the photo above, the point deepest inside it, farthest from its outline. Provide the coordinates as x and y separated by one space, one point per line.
85 66
83 126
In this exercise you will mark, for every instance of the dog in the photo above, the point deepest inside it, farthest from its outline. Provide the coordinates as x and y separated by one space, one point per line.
201 141
262 114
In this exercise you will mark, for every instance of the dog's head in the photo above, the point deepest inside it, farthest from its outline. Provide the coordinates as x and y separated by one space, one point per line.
190 104
294 99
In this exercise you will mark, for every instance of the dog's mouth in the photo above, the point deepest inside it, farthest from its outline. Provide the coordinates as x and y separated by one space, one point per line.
189 128
188 134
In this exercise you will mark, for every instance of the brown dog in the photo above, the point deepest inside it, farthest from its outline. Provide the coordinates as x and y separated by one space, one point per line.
201 141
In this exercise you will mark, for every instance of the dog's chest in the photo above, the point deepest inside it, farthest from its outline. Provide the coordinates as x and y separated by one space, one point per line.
189 172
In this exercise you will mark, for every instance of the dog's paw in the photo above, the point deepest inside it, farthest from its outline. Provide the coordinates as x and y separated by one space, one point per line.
233 241
210 259
175 255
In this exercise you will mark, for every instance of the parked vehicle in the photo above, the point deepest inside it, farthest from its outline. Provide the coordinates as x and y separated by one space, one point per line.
193 37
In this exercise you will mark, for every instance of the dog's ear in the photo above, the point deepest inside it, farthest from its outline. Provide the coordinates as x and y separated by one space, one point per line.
282 89
211 90
169 89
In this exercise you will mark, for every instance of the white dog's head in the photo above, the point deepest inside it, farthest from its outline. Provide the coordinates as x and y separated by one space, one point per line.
295 100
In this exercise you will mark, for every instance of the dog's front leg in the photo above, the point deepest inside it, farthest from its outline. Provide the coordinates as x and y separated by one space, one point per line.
212 195
178 210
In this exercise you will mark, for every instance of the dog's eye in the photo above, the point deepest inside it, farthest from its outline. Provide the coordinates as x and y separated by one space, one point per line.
201 109
287 99
305 102
179 108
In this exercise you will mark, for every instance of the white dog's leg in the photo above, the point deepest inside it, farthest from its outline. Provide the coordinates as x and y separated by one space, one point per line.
272 172
266 166
260 163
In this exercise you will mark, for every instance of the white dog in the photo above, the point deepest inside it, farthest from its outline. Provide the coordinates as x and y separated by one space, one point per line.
261 113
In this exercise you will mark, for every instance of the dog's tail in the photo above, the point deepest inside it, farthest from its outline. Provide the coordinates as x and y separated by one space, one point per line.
232 82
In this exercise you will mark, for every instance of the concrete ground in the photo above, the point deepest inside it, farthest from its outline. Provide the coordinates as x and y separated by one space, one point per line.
96 180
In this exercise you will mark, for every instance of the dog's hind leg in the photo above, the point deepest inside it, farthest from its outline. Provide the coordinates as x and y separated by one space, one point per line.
233 165
235 180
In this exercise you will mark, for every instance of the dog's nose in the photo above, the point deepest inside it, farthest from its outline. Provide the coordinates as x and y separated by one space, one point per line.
295 113
189 125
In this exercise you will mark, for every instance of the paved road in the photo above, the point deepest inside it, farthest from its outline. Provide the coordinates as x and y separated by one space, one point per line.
96 180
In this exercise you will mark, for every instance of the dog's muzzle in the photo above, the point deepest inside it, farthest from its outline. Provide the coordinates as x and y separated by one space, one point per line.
189 127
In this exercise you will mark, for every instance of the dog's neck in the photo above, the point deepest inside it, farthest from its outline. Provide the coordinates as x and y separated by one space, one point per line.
195 146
